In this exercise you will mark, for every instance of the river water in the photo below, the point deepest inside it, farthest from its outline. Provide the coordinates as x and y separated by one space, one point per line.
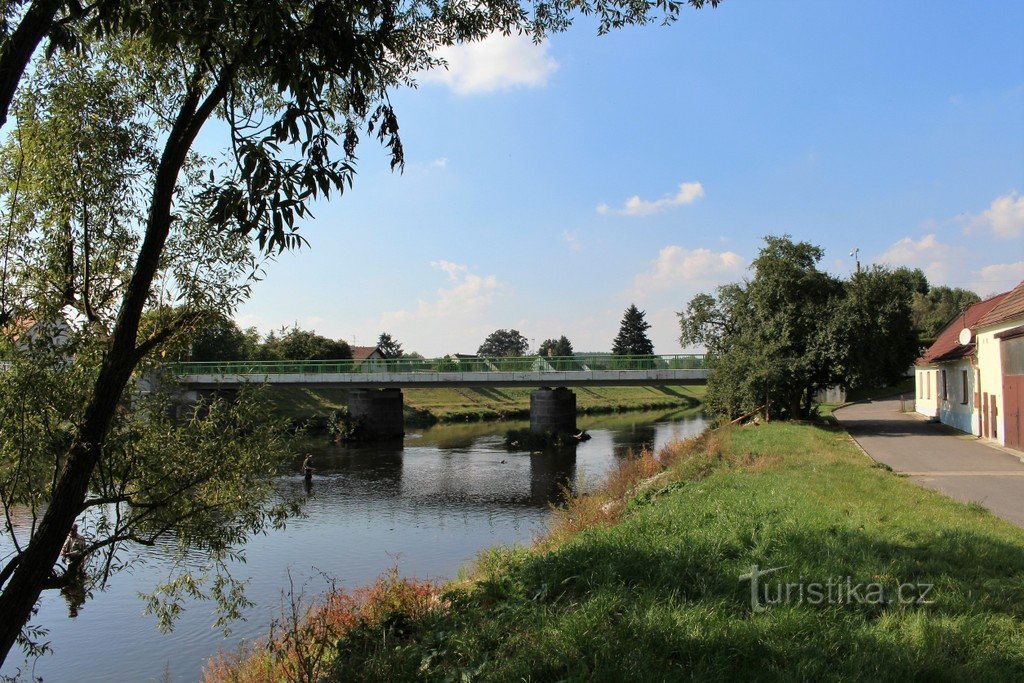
427 505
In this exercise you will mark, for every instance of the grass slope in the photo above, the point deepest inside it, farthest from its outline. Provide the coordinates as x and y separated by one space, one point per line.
656 596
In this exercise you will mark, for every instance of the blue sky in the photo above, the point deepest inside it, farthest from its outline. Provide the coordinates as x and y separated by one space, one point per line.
548 187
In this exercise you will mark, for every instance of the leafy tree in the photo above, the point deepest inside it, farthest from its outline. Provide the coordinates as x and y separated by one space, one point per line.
294 84
296 344
793 329
556 347
874 328
389 347
503 342
218 338
632 338
933 310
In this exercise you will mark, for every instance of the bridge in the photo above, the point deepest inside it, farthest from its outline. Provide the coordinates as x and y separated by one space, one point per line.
376 384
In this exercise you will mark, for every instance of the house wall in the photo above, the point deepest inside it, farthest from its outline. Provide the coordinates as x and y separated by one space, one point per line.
991 364
956 407
925 400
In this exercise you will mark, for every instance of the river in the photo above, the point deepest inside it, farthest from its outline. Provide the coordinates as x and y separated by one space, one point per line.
427 505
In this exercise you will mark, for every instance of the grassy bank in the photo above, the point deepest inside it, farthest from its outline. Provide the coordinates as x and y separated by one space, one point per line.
642 582
472 404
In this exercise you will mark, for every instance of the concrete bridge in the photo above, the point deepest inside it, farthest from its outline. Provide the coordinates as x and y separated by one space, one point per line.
376 384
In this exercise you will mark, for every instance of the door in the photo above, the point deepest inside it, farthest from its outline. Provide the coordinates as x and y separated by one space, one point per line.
1013 401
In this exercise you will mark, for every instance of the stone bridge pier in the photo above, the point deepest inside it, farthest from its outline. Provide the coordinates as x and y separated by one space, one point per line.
553 410
380 411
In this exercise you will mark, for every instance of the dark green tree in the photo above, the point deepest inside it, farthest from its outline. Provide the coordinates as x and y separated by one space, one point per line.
933 310
873 328
297 344
793 329
632 338
501 343
389 347
556 347
218 338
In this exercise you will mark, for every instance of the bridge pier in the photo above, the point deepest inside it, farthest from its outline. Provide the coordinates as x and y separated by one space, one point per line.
553 410
380 411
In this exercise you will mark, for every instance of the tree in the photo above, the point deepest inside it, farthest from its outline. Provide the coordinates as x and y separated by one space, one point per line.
294 84
296 344
632 338
219 338
934 309
556 347
389 347
792 329
502 343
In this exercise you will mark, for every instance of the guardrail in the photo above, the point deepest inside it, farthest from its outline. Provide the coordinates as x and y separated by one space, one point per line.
583 363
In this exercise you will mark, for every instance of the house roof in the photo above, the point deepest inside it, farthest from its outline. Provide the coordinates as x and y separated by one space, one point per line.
362 352
1011 307
948 347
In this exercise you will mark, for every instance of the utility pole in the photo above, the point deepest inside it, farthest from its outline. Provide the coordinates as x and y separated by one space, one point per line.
856 258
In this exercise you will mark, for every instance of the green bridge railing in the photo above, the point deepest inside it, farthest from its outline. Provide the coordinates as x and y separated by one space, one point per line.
581 363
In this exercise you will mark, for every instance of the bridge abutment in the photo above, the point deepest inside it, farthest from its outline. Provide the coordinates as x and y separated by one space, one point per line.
553 410
379 410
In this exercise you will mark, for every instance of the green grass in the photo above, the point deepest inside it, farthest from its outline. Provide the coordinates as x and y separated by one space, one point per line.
470 404
656 596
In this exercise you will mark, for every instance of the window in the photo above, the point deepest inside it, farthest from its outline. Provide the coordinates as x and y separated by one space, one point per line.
963 374
945 387
928 385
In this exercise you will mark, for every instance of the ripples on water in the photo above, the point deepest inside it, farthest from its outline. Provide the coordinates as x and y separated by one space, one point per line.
427 505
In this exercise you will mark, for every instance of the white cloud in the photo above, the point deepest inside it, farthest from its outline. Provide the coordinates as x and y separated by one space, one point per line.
573 240
454 318
688 193
440 162
1004 217
927 253
998 277
677 265
496 63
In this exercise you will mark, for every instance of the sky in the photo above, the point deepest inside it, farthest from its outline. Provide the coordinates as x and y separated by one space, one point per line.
547 187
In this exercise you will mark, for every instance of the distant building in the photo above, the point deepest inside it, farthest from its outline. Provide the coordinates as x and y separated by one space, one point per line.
972 377
361 353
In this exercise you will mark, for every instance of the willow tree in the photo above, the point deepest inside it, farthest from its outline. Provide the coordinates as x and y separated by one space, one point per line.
291 88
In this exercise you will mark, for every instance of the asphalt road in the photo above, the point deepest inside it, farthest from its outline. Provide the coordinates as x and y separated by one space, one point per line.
939 457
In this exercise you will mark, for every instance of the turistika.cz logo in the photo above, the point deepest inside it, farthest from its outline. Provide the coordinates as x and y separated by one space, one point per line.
835 591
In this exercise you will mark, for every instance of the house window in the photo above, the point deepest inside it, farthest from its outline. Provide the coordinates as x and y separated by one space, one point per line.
928 385
945 387
963 375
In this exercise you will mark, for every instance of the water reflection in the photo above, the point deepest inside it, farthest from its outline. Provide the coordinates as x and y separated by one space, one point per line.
428 504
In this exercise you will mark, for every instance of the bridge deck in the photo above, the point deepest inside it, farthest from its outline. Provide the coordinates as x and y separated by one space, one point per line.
533 371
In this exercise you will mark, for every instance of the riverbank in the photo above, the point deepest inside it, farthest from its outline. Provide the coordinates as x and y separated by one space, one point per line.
427 406
643 582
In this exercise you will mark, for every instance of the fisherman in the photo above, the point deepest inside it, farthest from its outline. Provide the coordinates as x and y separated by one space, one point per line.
307 467
75 545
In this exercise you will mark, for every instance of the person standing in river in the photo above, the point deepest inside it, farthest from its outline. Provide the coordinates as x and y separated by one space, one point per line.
307 467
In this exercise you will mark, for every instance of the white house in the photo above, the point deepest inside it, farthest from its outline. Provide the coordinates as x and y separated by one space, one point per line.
948 374
1000 354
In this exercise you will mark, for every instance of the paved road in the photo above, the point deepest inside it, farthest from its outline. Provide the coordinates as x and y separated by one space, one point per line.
939 457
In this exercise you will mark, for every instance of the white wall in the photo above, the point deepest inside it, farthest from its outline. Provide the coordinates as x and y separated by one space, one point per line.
991 364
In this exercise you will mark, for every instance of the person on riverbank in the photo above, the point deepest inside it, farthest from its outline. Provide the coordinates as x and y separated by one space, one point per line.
75 545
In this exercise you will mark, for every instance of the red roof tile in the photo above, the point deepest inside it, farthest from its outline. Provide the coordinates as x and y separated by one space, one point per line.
362 352
948 347
1009 308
